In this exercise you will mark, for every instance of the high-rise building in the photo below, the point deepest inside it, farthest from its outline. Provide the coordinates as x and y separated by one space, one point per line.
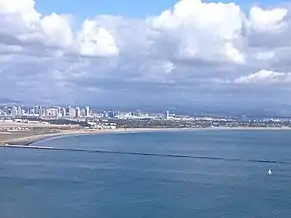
87 111
83 112
42 112
64 112
52 112
37 110
167 115
19 111
105 114
111 114
31 111
72 112
9 111
14 111
78 112
59 111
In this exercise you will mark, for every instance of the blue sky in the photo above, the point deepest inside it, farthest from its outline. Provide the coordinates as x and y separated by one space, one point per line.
127 8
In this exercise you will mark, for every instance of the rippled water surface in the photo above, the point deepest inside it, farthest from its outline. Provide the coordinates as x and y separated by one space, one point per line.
184 174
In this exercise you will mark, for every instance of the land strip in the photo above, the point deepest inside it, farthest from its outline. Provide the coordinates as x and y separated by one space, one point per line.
33 135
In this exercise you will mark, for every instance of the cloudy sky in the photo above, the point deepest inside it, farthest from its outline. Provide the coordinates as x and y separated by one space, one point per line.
166 52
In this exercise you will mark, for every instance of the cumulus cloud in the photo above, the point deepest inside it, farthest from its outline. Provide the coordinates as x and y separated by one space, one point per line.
24 25
199 50
267 21
94 40
214 38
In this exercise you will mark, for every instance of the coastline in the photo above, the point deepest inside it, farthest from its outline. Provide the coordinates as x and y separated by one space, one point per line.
29 140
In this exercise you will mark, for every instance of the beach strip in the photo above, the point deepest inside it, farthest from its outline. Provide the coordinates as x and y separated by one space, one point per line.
28 140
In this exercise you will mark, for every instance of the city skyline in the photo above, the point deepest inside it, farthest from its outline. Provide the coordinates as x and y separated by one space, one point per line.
164 54
21 118
79 115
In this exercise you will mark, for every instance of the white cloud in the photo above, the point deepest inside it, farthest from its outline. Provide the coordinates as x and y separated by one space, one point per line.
265 77
20 20
198 35
189 48
265 55
267 20
94 40
24 9
57 30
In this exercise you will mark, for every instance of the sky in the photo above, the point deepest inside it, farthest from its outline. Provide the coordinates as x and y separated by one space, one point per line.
164 53
127 8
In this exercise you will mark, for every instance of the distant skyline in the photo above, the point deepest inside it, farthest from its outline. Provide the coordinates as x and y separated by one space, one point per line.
190 53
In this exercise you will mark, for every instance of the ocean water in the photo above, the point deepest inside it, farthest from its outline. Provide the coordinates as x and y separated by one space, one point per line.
184 175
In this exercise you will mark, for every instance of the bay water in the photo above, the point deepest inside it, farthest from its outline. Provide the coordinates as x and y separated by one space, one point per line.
182 174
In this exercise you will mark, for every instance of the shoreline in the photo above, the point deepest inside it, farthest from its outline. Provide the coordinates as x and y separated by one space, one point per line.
29 140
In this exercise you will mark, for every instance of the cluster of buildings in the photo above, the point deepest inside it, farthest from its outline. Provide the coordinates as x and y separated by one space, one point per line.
46 112
115 119
78 113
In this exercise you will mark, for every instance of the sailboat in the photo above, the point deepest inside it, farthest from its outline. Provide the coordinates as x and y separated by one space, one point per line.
269 172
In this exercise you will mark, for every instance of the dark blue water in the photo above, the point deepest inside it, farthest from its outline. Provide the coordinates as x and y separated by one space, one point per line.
70 184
